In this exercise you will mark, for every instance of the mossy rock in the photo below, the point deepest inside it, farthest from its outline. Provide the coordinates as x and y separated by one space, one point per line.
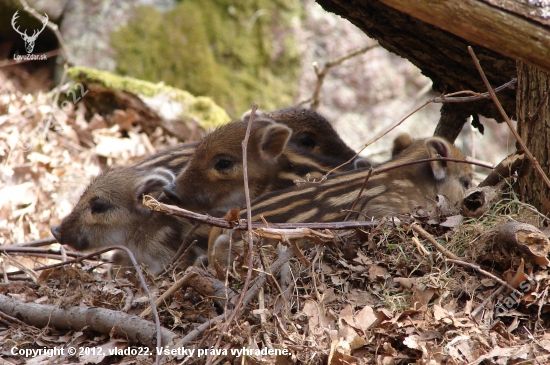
236 53
202 109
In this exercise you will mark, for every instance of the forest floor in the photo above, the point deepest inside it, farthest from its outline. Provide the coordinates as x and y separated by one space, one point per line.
379 295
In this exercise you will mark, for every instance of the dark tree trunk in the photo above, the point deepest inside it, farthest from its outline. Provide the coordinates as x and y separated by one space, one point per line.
534 128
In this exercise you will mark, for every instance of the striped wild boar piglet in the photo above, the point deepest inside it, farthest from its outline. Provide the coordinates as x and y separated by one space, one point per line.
277 156
110 212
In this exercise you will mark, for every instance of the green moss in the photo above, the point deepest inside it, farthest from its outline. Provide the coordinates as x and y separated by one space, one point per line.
203 109
236 53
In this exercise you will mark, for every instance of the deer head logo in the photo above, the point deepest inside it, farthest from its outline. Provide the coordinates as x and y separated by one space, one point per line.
29 40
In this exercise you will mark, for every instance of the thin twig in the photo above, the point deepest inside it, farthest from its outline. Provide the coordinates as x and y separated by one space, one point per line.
480 307
178 284
250 235
128 300
359 194
507 120
450 98
323 73
486 273
35 243
183 250
433 241
38 251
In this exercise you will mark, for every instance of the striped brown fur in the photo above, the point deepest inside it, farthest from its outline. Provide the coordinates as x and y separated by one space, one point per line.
392 192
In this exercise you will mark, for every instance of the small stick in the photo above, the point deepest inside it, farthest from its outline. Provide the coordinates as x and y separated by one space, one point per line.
37 251
508 122
63 253
432 240
263 318
321 74
359 194
421 247
486 273
12 319
5 272
129 299
178 284
486 301
36 243
250 236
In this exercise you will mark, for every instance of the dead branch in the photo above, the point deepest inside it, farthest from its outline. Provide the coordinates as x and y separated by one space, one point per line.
138 272
101 320
486 273
504 169
36 243
527 238
323 73
157 206
480 200
415 227
530 156
451 98
203 283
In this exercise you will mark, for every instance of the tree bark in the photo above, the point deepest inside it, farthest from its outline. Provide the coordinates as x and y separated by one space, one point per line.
534 129
514 29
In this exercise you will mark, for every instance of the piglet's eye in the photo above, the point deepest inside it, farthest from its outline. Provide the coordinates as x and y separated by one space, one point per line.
466 183
223 164
307 142
99 207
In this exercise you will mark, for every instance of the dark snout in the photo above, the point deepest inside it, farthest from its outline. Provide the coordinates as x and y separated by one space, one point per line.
56 233
171 192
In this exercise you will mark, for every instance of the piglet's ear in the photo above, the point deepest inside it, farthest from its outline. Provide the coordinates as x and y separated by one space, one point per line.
438 147
274 141
401 143
153 182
